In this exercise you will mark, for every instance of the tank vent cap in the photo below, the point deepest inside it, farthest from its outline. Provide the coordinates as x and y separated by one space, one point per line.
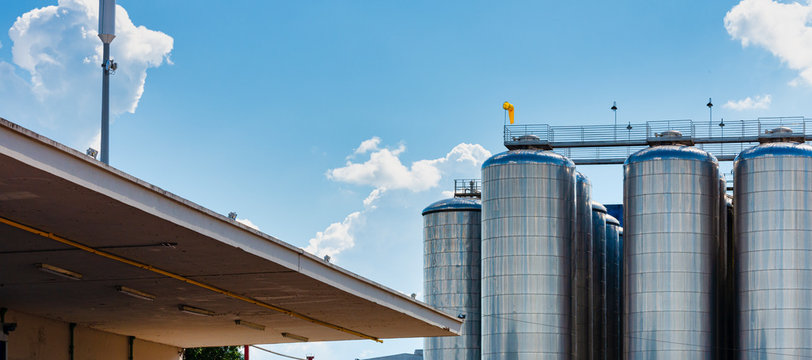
780 130
670 137
528 138
527 141
669 134
781 134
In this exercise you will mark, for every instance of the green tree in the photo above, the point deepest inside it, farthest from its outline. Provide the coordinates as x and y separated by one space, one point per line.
213 353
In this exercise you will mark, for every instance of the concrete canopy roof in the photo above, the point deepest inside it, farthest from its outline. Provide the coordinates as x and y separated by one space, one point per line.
52 188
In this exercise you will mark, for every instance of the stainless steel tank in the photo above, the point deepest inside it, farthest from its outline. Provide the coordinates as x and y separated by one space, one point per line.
613 294
725 310
773 247
597 287
620 305
528 227
581 259
451 273
671 207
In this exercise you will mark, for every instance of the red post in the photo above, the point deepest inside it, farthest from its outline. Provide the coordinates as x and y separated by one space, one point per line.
246 352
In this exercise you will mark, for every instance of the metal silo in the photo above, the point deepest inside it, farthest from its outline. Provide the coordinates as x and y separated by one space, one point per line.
671 202
726 295
528 227
620 299
597 288
773 247
613 310
581 259
451 273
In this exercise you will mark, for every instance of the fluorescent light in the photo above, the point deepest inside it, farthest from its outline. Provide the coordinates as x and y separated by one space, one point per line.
59 271
195 311
135 293
294 337
249 324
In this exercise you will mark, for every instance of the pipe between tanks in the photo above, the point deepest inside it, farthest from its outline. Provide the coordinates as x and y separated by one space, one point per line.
187 280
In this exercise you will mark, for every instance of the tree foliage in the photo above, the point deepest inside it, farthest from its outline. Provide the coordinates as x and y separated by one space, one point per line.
213 353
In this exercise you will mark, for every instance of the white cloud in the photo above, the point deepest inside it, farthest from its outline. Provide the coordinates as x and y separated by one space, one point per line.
340 236
384 168
447 194
95 142
748 103
55 79
248 223
336 238
384 171
783 29
368 145
373 196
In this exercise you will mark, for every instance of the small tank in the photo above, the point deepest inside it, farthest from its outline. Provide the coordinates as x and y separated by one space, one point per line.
726 294
613 294
581 259
451 273
598 282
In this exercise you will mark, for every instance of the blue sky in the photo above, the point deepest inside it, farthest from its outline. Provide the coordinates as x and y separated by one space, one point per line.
261 107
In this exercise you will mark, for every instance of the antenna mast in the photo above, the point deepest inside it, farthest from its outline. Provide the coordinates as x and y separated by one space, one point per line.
107 27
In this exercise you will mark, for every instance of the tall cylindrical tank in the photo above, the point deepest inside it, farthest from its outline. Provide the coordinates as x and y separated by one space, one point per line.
613 295
597 288
451 273
620 305
732 311
581 259
528 227
725 293
671 202
773 234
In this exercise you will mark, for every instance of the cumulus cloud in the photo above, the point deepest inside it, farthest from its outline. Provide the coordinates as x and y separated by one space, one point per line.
368 145
248 223
373 196
384 171
340 236
336 238
781 28
55 78
749 103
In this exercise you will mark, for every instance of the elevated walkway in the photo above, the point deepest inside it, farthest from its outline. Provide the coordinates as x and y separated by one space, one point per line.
610 144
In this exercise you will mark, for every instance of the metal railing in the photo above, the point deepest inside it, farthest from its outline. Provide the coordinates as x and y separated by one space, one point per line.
610 144
596 133
467 188
516 132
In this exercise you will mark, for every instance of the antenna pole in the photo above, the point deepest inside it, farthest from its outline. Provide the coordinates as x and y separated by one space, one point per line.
107 27
105 116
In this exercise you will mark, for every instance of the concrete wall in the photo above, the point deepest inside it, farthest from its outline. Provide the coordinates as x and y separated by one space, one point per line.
38 338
